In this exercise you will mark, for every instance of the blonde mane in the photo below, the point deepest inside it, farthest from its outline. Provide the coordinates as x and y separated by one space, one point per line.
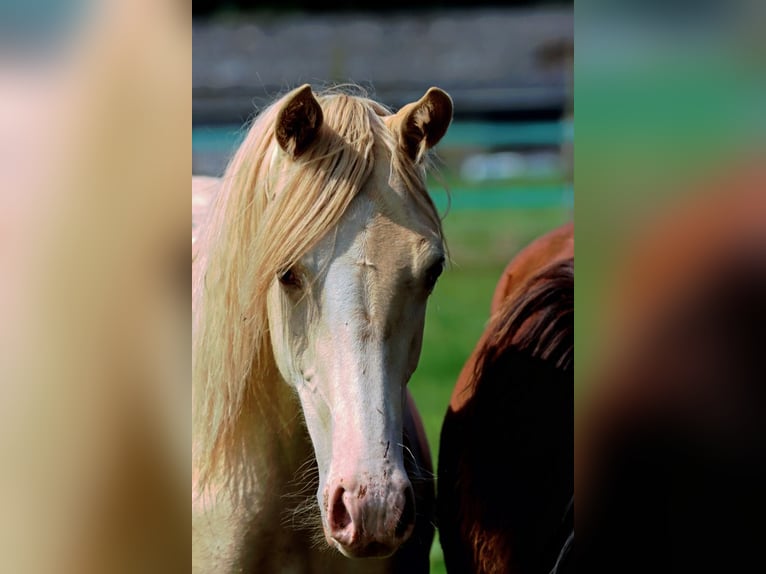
267 214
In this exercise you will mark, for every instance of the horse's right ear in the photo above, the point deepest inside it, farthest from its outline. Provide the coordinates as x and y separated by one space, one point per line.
298 121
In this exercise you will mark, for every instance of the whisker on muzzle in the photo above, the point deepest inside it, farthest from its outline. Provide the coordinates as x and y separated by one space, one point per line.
422 473
301 511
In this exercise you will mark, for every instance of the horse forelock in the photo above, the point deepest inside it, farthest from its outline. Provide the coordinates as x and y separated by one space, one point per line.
268 213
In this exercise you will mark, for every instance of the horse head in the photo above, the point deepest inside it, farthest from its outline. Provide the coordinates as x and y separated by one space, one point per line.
346 315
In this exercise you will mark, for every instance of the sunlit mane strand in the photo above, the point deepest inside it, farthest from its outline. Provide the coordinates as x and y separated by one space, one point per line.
268 213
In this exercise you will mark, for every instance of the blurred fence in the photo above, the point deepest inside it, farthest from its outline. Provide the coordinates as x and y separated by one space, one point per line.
487 165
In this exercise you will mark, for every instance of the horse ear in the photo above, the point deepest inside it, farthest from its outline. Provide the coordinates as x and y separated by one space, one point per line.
420 125
298 121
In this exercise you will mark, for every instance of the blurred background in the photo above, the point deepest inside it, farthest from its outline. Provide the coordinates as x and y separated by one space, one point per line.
671 243
504 174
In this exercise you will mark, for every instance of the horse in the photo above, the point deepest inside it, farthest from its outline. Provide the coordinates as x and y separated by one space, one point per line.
671 458
505 469
312 268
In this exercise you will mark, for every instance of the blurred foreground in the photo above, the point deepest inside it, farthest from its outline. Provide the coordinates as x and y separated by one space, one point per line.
94 298
671 277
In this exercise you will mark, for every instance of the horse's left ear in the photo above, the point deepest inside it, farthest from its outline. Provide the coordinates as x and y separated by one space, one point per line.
420 125
298 121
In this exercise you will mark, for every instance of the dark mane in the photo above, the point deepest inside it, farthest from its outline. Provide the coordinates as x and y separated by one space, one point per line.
506 481
538 320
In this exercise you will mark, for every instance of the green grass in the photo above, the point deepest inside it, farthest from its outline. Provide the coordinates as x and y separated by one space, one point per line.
481 243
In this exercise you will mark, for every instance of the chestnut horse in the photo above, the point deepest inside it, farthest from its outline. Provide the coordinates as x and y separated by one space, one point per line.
506 486
311 272
671 456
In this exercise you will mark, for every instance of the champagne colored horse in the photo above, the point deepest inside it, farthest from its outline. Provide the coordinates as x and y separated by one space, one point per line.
311 272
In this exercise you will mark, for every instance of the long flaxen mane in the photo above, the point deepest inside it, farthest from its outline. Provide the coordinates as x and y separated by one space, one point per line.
267 214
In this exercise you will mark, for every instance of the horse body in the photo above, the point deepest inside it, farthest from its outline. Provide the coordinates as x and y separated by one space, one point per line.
312 267
670 445
506 459
554 247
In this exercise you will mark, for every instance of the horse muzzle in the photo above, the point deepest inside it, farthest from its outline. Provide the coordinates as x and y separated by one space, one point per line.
366 519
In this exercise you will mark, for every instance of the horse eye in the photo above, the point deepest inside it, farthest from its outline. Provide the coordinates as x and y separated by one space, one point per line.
433 273
290 278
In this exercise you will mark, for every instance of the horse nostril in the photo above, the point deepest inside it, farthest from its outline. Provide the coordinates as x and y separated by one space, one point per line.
339 516
407 518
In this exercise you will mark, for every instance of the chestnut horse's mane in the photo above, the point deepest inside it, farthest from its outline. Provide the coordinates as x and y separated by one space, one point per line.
522 399
538 320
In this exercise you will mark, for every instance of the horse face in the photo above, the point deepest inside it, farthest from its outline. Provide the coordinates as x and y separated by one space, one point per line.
347 326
